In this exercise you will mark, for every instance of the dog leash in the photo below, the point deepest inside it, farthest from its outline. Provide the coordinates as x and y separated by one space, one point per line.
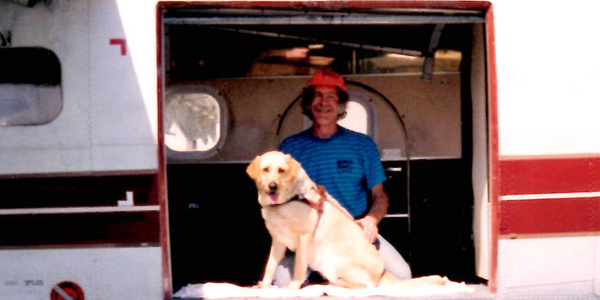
317 206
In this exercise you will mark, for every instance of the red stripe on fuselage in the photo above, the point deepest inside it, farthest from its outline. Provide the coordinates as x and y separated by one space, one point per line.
543 178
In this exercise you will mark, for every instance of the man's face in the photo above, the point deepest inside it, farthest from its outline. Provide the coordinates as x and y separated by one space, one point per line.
325 105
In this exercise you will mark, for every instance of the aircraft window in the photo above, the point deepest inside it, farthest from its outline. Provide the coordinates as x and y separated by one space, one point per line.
30 86
356 118
194 120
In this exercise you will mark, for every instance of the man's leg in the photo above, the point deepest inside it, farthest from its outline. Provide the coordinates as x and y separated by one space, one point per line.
394 262
285 271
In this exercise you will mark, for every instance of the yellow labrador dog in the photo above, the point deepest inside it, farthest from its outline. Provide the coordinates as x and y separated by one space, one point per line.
317 228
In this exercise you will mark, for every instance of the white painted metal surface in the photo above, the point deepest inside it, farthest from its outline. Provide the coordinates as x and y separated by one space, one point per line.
123 120
103 126
546 261
108 124
597 268
548 97
548 104
102 273
76 210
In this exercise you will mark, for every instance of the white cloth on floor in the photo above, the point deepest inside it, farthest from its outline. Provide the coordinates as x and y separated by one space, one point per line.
215 290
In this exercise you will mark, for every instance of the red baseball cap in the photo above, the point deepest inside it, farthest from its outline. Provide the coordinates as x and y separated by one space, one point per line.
328 77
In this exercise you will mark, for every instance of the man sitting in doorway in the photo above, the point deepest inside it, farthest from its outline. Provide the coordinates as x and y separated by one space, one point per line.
347 163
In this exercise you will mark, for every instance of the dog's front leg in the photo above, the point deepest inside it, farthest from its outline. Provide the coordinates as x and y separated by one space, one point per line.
275 256
301 261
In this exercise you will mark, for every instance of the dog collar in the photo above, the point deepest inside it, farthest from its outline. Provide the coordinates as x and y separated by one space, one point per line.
301 198
297 197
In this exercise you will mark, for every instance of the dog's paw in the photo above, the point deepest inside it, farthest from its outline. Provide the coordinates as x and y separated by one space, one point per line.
263 285
294 285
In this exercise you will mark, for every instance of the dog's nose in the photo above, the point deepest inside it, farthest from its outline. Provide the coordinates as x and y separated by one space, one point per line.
273 186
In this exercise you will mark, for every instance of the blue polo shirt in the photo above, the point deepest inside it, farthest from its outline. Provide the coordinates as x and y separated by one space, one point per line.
347 164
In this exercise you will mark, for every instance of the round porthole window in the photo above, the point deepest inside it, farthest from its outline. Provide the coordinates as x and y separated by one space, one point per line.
194 120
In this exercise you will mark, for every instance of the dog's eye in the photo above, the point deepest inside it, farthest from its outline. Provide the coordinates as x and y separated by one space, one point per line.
266 170
281 170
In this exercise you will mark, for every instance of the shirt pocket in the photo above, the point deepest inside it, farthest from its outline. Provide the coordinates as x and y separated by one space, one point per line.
349 168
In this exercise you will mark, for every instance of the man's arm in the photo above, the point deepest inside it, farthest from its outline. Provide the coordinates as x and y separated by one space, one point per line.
379 208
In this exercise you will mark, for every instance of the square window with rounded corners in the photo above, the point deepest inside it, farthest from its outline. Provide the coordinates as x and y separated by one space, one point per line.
30 86
195 121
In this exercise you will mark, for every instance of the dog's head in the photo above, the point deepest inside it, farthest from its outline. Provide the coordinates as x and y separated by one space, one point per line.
275 175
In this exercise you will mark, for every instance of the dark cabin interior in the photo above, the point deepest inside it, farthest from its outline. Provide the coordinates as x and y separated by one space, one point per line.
216 230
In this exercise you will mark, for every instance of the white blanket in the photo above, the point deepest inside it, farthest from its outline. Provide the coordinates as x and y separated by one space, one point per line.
215 290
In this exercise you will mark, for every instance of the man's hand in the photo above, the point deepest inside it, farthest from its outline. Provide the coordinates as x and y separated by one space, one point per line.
369 227
378 210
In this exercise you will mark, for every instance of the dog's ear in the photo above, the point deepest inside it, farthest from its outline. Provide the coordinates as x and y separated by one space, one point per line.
252 169
294 166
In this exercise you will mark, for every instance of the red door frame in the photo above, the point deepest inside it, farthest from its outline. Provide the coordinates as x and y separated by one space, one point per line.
162 161
492 97
493 160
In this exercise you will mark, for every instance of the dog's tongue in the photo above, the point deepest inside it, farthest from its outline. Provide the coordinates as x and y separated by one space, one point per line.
273 197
